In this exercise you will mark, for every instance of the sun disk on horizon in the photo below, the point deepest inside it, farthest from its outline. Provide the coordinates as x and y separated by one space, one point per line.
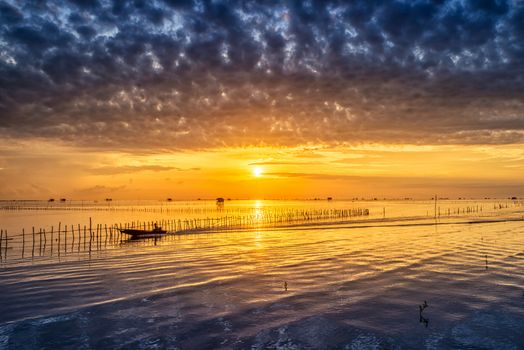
257 172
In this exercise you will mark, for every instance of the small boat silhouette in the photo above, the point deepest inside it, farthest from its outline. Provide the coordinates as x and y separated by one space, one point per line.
137 233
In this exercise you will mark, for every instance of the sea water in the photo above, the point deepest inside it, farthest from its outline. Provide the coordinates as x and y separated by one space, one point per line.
348 285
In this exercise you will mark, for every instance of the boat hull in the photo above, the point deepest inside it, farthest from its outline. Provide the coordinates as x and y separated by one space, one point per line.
143 233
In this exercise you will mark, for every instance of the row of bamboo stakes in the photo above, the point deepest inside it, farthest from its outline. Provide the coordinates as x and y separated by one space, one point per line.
70 237
161 208
468 209
67 238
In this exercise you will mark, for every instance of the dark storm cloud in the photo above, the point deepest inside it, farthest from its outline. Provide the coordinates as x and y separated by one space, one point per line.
189 74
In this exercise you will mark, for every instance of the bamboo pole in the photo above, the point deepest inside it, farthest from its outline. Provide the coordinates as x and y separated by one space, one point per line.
23 242
6 243
52 241
40 241
33 251
65 238
59 234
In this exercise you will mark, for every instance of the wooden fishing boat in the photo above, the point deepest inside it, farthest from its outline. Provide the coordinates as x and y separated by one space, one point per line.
144 233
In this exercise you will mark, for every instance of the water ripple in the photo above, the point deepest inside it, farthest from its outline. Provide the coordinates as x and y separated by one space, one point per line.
347 288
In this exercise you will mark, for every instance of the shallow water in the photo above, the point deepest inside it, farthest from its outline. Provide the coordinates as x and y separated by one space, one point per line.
347 287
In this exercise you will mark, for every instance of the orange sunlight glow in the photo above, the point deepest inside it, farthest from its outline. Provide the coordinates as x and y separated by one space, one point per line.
257 172
310 171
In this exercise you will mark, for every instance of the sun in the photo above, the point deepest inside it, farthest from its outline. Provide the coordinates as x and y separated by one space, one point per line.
257 172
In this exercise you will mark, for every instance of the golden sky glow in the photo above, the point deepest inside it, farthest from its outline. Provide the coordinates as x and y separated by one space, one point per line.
40 169
342 99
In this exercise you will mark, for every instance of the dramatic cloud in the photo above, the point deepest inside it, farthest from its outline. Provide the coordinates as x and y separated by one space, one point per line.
193 74
129 169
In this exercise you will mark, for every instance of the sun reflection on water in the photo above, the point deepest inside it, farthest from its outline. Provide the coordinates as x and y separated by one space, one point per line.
259 211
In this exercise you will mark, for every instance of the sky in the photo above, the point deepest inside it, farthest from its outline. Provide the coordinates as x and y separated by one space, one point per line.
274 99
